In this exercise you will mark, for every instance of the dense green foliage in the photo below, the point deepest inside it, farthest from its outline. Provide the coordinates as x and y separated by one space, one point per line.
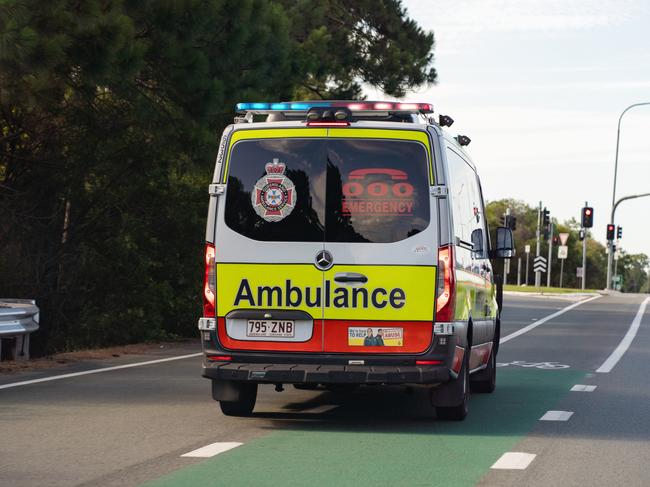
633 268
109 115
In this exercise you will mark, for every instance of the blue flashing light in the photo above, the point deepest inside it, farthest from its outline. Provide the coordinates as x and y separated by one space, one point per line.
352 105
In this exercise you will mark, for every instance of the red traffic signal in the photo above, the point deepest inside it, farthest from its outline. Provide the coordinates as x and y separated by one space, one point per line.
587 217
610 231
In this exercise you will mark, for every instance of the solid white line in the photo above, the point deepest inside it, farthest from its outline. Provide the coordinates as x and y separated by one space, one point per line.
212 449
618 353
534 325
583 388
514 460
97 371
556 416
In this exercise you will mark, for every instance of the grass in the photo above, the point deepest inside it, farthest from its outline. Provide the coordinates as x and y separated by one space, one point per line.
546 290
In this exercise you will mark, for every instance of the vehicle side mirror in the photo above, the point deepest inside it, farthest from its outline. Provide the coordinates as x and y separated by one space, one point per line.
478 252
505 244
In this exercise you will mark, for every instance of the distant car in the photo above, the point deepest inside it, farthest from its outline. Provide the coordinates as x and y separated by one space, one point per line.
347 244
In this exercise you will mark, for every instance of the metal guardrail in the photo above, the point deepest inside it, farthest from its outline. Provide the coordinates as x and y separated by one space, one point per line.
18 319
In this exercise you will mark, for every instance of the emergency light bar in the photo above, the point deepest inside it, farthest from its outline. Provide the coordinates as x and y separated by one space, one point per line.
353 106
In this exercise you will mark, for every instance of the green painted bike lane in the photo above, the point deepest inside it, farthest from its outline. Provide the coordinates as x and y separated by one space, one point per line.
367 450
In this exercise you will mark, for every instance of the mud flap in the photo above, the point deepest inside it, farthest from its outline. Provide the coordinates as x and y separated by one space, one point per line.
226 391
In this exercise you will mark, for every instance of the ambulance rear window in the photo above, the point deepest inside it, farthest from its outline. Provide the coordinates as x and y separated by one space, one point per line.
377 190
327 190
276 190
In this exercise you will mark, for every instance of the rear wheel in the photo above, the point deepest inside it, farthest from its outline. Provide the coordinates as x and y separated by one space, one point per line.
459 411
244 405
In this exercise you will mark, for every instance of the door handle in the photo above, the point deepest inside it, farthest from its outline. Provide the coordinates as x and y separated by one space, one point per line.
346 277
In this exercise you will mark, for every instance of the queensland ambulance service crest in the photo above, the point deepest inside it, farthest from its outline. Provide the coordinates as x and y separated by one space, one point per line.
274 195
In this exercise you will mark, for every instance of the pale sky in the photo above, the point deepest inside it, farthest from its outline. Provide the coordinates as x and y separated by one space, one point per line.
538 86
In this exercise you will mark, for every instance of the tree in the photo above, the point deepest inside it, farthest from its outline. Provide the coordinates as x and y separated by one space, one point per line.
341 44
109 112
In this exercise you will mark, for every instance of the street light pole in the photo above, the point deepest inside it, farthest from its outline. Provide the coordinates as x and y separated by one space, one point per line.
610 253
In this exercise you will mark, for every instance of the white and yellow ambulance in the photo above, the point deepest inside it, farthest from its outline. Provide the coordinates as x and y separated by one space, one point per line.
347 244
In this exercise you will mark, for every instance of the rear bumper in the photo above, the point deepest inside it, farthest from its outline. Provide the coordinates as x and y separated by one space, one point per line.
327 374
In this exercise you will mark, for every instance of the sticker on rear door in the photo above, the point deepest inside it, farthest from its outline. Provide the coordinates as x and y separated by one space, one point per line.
375 337
274 195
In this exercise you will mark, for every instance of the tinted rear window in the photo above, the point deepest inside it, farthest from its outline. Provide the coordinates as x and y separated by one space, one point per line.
333 190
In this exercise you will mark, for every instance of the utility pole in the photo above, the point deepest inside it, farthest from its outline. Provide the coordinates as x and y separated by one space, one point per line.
561 270
538 274
550 256
506 262
527 256
519 271
584 256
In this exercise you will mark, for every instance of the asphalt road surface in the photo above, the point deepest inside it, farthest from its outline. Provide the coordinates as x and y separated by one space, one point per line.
129 426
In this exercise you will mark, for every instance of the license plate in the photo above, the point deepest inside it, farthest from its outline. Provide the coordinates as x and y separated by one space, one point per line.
271 328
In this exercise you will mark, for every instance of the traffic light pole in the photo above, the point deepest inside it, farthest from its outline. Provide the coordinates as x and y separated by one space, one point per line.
614 204
538 275
584 257
550 256
610 243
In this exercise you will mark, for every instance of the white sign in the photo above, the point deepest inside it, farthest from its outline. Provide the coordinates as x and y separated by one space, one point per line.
539 264
563 238
562 252
578 271
527 249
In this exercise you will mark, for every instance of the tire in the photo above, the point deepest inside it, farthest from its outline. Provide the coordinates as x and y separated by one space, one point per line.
244 405
485 381
307 387
458 412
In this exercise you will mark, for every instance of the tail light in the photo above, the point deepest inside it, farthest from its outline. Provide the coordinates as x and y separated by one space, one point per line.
446 284
209 283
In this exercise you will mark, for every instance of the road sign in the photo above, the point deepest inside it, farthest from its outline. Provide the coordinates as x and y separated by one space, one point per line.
562 252
539 264
527 249
578 271
563 238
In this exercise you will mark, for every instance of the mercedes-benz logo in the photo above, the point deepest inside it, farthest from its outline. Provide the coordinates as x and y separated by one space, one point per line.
324 260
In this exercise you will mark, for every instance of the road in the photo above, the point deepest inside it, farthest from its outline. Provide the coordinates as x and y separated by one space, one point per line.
130 426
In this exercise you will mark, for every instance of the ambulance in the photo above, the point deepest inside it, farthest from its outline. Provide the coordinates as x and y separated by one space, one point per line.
347 245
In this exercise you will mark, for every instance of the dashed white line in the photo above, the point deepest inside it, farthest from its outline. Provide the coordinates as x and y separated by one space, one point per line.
535 324
97 371
619 351
583 388
212 449
556 416
514 460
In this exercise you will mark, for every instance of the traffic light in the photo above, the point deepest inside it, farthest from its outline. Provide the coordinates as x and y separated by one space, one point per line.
610 232
513 222
581 235
619 232
545 218
587 217
556 240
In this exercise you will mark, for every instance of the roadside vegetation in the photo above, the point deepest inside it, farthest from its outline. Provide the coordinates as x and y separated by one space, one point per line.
110 113
546 290
633 268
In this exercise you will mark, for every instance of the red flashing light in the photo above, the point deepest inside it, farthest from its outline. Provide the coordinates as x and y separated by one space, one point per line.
446 284
209 283
588 211
220 358
428 362
328 124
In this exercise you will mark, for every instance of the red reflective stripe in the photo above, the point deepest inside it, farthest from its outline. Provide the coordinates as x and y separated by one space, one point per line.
428 362
220 358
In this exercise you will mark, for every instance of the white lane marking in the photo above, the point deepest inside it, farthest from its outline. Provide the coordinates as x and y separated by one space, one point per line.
322 409
212 449
618 353
556 416
583 388
97 371
534 325
514 460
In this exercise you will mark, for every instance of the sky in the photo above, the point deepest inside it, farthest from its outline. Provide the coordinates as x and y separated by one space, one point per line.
538 85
